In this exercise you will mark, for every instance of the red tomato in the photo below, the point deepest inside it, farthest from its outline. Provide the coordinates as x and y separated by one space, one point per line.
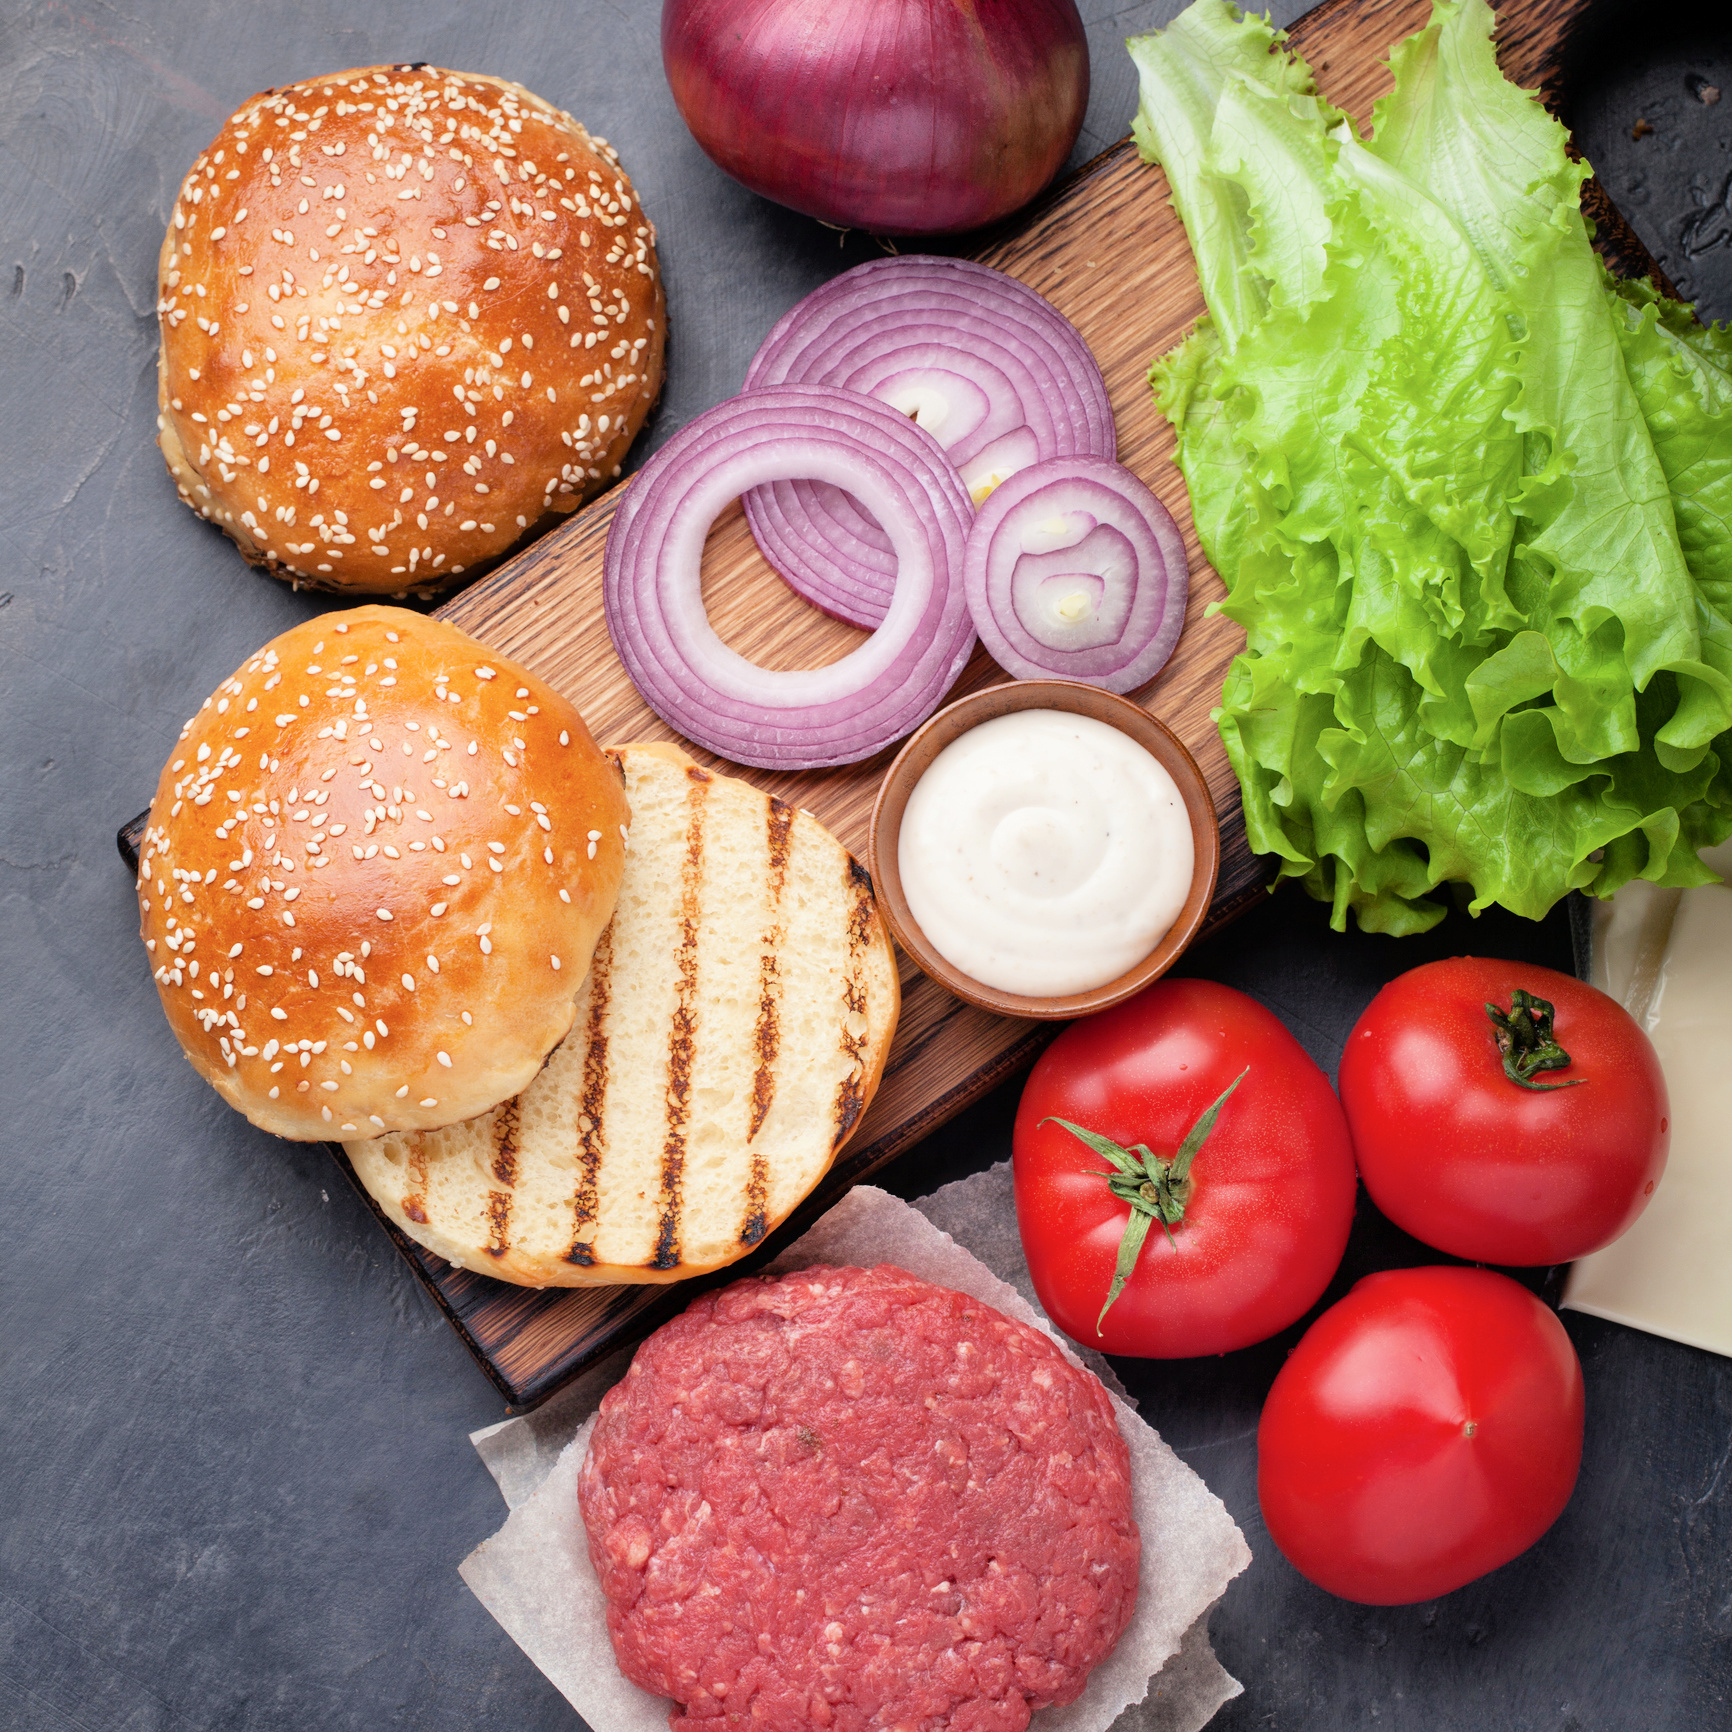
1426 1429
1461 1157
1270 1193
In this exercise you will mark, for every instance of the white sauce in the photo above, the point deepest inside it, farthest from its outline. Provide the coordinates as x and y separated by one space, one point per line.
1045 853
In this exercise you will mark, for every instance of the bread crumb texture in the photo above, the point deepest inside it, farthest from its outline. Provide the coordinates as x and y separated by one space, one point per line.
408 317
376 866
848 1498
726 1044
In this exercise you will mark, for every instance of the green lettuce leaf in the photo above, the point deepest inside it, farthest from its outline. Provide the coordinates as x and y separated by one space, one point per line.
1470 500
1682 375
1202 52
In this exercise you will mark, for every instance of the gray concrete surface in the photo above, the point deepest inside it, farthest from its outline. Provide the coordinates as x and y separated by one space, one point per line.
234 1478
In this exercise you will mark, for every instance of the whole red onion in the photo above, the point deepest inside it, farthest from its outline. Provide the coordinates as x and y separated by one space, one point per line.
898 116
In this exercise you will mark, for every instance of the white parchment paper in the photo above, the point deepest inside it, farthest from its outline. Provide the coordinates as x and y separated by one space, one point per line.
535 1577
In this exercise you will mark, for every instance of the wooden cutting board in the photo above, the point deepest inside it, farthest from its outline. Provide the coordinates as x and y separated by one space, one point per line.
1105 248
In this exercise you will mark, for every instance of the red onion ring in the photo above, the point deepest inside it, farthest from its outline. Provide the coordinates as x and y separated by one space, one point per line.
652 591
992 369
1075 570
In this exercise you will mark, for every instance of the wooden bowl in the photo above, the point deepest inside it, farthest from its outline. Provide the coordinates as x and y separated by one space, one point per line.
949 724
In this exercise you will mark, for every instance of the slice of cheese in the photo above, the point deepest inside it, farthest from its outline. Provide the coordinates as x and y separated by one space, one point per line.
1666 955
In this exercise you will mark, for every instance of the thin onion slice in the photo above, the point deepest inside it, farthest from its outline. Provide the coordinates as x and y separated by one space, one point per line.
985 364
892 295
1075 570
652 590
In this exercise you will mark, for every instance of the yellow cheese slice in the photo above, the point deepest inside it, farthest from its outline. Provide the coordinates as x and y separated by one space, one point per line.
1666 955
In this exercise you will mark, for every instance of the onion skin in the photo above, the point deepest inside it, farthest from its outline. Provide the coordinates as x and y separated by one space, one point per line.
907 117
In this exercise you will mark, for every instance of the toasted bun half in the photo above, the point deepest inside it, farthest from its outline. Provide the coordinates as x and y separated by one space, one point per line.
728 1039
408 317
377 864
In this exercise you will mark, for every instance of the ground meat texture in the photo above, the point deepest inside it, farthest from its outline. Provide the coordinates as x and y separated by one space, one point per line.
847 1498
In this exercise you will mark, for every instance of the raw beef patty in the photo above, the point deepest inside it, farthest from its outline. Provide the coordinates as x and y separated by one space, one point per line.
847 1498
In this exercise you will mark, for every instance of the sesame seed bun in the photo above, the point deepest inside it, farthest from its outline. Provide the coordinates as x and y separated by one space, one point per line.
728 1041
409 318
377 865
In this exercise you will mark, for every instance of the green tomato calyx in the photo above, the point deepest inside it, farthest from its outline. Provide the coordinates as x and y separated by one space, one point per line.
1526 1042
1156 1189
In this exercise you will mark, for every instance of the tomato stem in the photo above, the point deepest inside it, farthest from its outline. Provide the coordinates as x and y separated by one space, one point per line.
1155 1189
1526 1042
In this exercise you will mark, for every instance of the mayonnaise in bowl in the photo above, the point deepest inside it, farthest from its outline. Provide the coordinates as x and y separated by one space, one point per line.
1045 853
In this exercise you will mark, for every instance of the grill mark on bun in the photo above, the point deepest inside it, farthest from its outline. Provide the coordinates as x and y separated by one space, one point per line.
591 1134
768 1034
683 1031
849 1096
498 1220
505 1142
505 1171
415 1202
